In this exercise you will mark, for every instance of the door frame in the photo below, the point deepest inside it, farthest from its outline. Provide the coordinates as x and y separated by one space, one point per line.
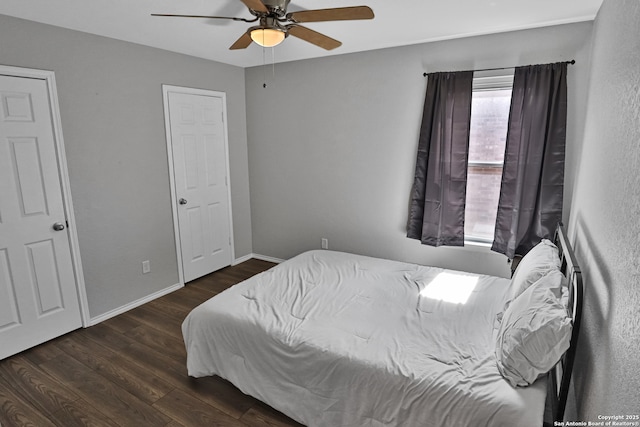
166 89
63 173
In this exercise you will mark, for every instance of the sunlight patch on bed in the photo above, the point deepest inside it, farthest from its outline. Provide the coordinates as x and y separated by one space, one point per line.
450 287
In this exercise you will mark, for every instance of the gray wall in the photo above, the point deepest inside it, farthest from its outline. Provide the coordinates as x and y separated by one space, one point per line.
113 124
332 142
605 219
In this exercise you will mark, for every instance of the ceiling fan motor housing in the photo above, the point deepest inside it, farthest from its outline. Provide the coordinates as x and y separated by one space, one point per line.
268 22
277 7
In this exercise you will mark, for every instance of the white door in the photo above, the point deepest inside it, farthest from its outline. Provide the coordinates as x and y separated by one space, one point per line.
38 294
198 145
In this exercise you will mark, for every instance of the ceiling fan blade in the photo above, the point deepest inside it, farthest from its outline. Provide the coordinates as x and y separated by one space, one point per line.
313 37
205 16
242 43
335 14
256 5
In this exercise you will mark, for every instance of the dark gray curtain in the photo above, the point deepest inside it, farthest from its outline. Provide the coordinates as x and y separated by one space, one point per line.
530 203
436 212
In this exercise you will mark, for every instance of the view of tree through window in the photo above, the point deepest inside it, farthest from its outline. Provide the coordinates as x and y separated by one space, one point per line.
489 118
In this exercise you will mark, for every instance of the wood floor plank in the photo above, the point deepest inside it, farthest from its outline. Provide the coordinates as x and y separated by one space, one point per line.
123 407
152 317
220 394
191 411
122 323
213 286
35 386
169 369
201 292
15 411
81 414
166 305
110 337
160 312
129 376
43 352
159 341
185 299
262 415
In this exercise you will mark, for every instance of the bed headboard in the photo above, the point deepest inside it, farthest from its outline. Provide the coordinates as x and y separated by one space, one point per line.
560 376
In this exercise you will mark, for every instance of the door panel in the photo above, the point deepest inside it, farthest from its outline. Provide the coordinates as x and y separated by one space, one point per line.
198 146
45 277
196 235
216 215
190 164
8 303
38 293
26 160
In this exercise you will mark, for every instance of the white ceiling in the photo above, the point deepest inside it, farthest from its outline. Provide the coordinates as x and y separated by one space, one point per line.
396 23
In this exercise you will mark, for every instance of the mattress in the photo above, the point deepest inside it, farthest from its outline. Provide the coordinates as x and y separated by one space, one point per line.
336 339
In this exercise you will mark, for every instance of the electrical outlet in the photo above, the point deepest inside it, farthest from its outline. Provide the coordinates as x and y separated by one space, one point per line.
324 243
146 267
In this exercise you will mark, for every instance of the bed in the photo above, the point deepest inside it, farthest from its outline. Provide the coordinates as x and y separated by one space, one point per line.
336 339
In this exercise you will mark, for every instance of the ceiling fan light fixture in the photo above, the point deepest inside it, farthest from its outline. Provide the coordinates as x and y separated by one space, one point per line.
267 37
275 24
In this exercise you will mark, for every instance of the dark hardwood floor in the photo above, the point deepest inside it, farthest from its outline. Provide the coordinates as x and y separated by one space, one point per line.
130 371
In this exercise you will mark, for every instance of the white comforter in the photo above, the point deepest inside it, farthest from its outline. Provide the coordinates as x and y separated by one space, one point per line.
333 339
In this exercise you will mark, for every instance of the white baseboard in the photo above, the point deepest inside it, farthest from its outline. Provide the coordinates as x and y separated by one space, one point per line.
133 304
268 258
242 259
257 256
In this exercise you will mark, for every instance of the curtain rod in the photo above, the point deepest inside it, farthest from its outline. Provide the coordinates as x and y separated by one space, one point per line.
573 61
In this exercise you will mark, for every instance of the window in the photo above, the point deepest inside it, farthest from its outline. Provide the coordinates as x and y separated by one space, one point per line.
489 120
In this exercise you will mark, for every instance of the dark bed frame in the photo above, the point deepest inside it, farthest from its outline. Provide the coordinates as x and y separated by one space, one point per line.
560 375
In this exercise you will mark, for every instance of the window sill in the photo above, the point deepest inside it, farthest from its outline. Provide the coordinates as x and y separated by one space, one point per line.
478 243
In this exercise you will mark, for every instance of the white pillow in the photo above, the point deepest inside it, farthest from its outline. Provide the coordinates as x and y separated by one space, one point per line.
535 264
535 332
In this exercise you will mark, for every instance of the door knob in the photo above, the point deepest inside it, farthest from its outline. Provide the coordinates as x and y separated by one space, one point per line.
58 226
182 201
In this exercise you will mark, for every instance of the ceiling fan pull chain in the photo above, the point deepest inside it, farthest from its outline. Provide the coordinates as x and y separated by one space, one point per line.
264 67
273 62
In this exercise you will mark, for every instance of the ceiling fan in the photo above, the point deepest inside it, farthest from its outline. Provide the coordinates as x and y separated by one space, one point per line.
275 24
